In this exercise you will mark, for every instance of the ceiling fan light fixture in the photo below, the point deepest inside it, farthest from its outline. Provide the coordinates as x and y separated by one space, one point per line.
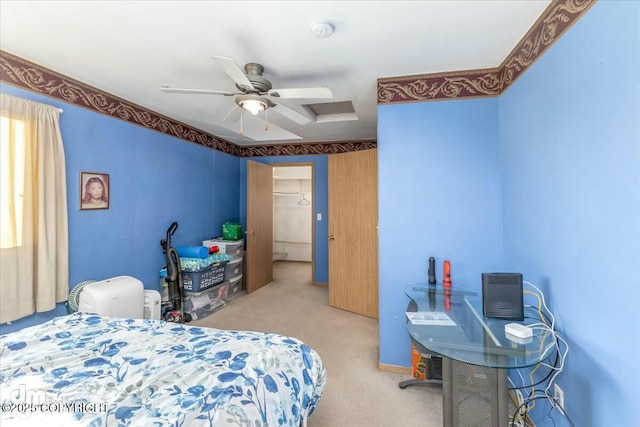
251 103
253 106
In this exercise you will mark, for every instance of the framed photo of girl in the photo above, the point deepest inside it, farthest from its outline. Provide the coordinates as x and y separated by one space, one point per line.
94 191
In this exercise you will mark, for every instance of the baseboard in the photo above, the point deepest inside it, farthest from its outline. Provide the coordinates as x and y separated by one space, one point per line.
395 369
321 283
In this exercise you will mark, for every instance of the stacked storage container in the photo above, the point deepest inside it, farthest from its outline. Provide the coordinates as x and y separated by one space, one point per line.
233 271
201 304
206 290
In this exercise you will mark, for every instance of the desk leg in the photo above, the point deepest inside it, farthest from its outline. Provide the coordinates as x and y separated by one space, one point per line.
473 395
502 397
447 392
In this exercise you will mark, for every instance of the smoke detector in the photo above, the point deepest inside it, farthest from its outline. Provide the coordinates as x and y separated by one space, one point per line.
322 29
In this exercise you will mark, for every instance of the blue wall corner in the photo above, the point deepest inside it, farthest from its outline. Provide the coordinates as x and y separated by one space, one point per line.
438 195
155 179
564 140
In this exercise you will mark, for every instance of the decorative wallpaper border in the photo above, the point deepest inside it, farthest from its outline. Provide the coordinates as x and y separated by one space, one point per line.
35 78
24 74
554 21
306 149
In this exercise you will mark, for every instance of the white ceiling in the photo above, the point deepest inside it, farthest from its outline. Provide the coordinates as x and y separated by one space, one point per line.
130 49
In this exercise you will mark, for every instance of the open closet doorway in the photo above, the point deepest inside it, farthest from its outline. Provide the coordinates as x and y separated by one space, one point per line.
293 221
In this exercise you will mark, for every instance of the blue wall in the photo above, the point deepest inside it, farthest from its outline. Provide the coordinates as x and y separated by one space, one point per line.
565 139
570 145
320 204
438 195
155 179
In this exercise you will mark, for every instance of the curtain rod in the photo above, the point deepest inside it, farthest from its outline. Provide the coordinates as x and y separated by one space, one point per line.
48 105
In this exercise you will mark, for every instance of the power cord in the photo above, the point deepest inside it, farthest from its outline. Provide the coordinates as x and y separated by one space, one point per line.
544 304
561 349
539 382
555 369
555 365
531 399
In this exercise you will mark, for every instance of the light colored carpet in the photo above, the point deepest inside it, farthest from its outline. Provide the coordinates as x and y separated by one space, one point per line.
357 393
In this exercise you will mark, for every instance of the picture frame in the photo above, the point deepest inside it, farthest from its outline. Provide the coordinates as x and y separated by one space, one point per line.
94 191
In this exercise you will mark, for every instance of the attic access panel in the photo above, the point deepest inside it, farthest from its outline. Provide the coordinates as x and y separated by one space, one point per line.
332 111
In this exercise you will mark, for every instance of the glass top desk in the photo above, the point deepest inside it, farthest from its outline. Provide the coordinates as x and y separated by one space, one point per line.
476 353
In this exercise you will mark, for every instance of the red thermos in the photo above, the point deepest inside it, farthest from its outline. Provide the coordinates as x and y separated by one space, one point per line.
446 284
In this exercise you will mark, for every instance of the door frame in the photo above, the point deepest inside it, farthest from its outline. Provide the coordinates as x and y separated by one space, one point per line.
313 205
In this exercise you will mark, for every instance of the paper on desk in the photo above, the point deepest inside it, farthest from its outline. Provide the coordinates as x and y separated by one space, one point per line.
437 318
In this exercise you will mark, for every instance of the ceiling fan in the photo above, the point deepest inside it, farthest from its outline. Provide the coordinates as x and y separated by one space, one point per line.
255 93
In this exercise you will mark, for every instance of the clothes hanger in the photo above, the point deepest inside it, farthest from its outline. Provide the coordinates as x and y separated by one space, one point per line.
303 201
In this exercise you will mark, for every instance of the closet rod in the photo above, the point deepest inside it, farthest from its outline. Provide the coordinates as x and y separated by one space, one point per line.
293 193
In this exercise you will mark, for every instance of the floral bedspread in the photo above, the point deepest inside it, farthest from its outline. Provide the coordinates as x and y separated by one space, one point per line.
91 370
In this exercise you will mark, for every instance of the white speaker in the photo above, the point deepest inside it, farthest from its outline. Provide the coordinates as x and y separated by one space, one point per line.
151 304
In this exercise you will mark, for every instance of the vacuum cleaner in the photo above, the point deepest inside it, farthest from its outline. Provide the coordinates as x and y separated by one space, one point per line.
174 309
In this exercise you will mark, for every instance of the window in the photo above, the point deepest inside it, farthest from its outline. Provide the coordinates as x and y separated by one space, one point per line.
11 182
34 241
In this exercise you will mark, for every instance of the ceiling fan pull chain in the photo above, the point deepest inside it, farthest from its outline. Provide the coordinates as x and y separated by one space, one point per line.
266 120
240 121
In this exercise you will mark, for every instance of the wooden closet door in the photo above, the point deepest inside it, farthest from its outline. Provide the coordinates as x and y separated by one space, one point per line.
353 232
259 234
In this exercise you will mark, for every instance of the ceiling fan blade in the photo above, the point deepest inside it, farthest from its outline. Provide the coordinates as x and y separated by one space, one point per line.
234 71
308 92
234 115
291 114
197 91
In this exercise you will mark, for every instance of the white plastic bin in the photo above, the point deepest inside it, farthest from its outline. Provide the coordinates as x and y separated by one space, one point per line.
235 286
233 268
202 304
235 248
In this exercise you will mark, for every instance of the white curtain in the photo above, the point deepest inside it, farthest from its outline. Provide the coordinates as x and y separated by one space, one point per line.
34 238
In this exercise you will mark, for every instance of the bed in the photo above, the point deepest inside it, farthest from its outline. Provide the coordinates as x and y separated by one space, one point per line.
153 373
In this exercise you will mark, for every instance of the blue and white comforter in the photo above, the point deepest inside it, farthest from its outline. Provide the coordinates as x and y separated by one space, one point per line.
153 373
